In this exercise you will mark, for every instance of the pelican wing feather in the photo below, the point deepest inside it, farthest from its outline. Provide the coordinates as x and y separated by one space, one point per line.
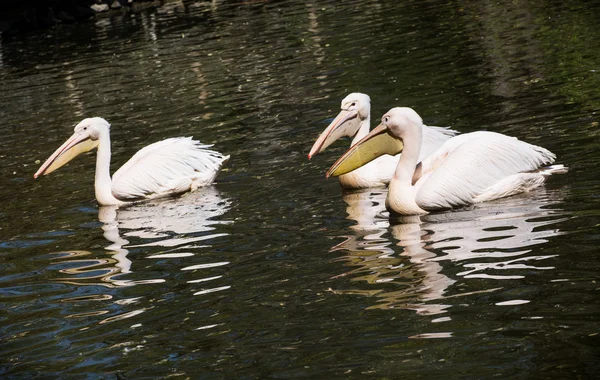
473 164
433 139
170 166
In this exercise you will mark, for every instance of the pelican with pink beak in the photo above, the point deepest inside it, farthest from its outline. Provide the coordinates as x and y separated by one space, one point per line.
169 167
468 168
354 121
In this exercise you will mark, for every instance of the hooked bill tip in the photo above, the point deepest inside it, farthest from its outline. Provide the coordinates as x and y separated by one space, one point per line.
39 173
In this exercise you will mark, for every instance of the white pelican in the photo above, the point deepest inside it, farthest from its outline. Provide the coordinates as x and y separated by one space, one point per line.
167 167
354 120
469 168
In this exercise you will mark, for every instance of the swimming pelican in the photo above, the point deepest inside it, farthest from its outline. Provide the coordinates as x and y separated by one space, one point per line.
354 120
167 167
469 168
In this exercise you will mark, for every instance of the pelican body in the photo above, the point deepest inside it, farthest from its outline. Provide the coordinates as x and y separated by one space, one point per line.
466 169
169 167
354 120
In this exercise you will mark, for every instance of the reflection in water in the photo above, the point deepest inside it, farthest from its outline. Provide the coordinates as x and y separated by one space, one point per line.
176 224
315 31
364 207
427 281
173 225
490 241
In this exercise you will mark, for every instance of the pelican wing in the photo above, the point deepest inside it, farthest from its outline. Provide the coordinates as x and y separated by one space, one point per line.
170 166
430 162
468 165
433 139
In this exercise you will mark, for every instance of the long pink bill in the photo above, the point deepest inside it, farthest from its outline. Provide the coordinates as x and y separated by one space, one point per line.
338 128
74 146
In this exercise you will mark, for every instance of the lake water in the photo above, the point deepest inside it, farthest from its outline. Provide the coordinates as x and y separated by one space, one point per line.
274 272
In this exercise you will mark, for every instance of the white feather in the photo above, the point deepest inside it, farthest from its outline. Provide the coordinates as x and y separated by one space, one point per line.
466 169
171 166
481 166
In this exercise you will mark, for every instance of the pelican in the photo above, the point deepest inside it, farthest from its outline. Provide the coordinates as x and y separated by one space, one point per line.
167 167
469 168
354 120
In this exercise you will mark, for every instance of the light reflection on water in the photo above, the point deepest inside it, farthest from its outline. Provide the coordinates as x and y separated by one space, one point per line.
175 226
491 241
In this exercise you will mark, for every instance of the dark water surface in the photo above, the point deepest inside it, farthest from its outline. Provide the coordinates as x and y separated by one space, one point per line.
274 272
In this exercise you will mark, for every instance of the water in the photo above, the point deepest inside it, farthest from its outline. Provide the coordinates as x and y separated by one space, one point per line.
274 272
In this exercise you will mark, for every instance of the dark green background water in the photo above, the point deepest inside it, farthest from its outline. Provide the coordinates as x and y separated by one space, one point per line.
273 272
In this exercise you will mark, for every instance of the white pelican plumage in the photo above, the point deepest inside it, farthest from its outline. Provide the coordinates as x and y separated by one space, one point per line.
354 120
469 168
167 167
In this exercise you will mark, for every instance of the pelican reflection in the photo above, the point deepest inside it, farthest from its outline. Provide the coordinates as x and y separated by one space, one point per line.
168 228
407 264
365 208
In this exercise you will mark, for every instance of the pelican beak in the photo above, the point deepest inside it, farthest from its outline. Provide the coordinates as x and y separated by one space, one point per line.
377 143
74 146
339 127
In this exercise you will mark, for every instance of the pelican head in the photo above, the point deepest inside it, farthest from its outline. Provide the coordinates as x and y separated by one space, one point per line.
85 138
355 109
387 138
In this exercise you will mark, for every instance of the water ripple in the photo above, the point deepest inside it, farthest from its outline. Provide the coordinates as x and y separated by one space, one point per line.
417 276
